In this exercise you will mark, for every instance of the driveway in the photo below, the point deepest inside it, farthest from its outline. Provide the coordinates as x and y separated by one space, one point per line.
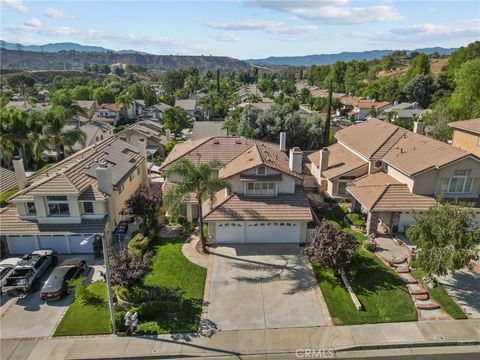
263 286
464 288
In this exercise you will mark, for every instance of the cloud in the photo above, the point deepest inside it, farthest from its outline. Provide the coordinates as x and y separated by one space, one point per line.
469 29
33 22
269 26
32 28
226 37
15 5
55 14
331 11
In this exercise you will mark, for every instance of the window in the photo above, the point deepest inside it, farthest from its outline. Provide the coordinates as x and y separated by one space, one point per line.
120 189
130 178
88 207
31 210
460 182
478 141
261 170
58 206
261 188
138 171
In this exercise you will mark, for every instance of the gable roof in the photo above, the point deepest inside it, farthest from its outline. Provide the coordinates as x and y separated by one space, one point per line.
159 106
202 129
472 125
112 107
362 104
186 104
8 179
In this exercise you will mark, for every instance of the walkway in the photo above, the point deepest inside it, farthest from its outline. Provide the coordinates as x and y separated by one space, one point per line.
262 341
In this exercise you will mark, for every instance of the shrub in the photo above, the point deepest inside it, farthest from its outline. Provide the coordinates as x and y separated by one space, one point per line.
139 244
187 229
128 268
335 225
82 292
368 245
97 247
135 294
355 219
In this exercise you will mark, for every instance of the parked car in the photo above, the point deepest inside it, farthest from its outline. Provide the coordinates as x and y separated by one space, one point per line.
6 268
26 275
339 118
56 285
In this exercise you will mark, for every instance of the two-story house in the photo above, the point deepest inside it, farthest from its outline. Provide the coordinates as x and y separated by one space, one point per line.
110 113
191 108
266 203
148 134
466 135
362 108
390 171
155 112
65 206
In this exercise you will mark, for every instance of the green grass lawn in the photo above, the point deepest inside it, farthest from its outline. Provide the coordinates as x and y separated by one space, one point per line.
171 269
440 295
83 319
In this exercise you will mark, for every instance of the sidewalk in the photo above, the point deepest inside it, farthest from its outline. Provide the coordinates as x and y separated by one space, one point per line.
249 342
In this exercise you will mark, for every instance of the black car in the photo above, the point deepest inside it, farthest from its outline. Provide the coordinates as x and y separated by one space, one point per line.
56 285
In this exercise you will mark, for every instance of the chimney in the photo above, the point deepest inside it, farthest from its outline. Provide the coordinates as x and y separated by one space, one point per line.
142 144
418 127
323 163
168 134
283 141
104 177
20 172
295 159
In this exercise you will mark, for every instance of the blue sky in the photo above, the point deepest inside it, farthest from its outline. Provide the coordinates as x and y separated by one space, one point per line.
243 28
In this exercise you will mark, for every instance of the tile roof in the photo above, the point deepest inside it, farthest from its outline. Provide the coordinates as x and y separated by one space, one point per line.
186 104
472 125
365 104
340 161
381 192
112 107
11 224
8 179
202 129
350 100
149 129
159 106
76 174
191 198
237 207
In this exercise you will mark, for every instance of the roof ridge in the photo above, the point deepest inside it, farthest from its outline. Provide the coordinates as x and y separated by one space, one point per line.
189 151
219 204
380 196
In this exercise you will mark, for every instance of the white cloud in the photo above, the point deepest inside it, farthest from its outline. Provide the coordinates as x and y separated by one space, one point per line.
15 5
274 27
33 22
331 11
226 37
52 31
55 13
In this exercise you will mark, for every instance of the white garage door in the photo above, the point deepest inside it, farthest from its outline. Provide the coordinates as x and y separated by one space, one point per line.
406 219
229 232
21 244
56 242
272 232
81 244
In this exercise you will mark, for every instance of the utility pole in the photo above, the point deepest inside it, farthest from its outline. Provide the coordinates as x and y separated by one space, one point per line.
107 278
326 133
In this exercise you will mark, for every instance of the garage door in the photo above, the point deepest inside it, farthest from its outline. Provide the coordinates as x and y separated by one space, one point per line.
272 232
81 244
406 219
56 242
229 232
21 244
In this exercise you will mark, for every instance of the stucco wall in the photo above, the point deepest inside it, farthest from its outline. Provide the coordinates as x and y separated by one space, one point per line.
466 141
286 186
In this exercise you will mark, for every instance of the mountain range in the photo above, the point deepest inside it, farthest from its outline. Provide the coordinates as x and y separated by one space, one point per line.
64 46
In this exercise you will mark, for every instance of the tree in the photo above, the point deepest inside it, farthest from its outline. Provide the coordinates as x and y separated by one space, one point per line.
146 206
127 268
420 65
103 95
81 92
332 247
149 97
445 237
125 99
436 123
465 100
420 89
175 119
22 83
200 180
62 101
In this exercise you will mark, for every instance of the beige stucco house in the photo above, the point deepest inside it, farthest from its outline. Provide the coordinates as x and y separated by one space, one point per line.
466 135
147 133
83 195
389 172
266 203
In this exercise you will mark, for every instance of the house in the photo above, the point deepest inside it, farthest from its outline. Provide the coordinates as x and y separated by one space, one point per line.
191 108
318 92
136 109
7 180
347 101
466 135
267 203
203 129
362 108
404 111
389 172
95 132
110 113
65 206
244 92
148 134
26 107
155 112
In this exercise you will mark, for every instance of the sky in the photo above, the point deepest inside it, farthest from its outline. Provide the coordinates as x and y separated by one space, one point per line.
245 28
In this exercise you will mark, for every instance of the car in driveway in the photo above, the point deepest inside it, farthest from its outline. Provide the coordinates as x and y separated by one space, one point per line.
6 268
56 285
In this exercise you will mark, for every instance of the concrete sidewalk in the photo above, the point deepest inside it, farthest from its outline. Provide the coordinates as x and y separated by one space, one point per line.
261 342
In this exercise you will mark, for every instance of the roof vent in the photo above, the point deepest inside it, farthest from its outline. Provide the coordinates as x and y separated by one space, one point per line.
216 142
239 142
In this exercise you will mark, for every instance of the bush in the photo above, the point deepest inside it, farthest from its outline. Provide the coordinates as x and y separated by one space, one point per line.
355 220
139 244
97 247
335 225
368 245
82 292
187 229
135 294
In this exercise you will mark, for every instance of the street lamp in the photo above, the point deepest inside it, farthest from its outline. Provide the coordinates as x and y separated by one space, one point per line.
101 238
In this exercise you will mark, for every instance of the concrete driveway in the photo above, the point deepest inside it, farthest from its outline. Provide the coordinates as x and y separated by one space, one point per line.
263 286
464 288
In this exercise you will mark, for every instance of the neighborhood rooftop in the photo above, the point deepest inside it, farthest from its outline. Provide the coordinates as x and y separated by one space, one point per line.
472 125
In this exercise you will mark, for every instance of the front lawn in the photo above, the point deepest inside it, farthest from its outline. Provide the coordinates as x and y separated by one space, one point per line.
91 319
171 269
440 295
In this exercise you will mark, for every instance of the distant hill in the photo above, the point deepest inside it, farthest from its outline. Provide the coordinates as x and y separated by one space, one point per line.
327 59
55 47
75 60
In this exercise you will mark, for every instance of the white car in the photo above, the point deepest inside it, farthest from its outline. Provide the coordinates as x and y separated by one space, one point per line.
6 267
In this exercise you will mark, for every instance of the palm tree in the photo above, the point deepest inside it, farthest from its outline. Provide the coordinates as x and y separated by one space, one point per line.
198 179
14 129
55 135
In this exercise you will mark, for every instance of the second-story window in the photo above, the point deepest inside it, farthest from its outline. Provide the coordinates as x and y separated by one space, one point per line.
261 188
88 207
261 170
460 182
58 206
31 209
